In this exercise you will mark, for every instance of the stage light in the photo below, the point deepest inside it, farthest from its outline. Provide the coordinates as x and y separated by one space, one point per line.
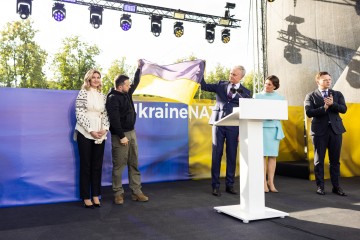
178 29
59 12
125 22
225 35
156 25
96 16
23 8
179 15
129 8
210 32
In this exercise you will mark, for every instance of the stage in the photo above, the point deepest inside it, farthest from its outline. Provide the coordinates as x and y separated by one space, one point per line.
185 210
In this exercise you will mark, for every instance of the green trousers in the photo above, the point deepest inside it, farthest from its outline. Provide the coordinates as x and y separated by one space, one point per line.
122 156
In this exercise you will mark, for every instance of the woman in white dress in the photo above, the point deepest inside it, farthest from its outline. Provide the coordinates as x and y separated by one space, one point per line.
90 133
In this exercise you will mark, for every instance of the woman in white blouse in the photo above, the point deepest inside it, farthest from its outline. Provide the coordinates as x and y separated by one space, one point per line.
91 128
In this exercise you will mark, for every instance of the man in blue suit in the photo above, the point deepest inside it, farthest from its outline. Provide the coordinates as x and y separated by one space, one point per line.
227 97
324 105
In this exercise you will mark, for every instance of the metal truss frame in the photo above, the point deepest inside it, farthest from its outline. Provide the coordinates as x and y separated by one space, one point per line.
150 10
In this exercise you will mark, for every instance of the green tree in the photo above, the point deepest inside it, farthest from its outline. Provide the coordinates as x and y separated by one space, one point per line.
21 59
117 67
72 62
189 58
249 81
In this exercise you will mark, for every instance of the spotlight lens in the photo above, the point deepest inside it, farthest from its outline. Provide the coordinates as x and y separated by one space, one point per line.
125 26
179 33
58 16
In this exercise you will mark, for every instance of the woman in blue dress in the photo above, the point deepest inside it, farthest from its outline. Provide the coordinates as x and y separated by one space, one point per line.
272 133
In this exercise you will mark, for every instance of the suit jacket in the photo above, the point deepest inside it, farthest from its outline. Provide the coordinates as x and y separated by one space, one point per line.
314 108
223 106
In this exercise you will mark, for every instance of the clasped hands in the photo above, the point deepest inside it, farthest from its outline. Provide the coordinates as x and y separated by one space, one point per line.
328 101
98 134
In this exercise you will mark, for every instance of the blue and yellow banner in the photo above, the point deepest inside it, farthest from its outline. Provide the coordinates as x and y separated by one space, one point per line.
178 81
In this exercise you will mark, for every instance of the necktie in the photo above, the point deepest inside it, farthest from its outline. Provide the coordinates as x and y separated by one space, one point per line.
231 92
325 94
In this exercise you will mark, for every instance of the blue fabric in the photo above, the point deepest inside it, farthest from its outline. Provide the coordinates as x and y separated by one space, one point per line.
39 161
272 129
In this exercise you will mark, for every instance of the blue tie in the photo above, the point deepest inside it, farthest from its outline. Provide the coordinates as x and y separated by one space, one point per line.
325 94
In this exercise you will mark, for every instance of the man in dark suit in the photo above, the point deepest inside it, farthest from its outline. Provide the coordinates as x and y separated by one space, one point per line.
227 97
324 106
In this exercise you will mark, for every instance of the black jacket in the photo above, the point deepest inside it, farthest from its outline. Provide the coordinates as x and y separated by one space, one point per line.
314 108
120 108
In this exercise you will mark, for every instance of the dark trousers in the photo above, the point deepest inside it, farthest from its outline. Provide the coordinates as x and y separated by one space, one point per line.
332 142
220 136
91 160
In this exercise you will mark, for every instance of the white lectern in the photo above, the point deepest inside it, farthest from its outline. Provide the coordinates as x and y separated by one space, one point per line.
249 117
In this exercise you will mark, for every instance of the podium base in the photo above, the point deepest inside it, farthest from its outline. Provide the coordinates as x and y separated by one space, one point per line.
245 216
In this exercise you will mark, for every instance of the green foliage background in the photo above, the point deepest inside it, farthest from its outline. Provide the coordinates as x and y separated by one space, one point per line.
22 63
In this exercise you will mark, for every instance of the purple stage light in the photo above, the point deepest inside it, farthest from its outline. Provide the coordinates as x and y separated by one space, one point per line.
58 16
125 22
59 12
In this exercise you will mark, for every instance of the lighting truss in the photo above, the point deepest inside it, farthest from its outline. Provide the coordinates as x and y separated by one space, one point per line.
169 13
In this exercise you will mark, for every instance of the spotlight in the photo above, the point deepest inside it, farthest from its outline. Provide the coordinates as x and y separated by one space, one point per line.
210 32
23 8
96 16
225 35
58 12
271 0
125 22
178 29
156 25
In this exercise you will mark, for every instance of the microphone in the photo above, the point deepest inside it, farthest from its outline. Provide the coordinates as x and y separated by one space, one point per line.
240 92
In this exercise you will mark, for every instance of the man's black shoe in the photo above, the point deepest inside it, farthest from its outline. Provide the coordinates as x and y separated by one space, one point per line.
216 192
320 191
338 191
231 190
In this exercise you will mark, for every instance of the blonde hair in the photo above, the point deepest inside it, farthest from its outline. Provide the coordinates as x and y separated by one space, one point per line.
87 79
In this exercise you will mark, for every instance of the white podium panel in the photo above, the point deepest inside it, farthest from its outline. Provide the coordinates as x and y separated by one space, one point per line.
252 195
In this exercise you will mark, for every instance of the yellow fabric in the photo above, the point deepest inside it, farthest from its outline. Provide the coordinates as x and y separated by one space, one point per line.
200 141
292 147
182 90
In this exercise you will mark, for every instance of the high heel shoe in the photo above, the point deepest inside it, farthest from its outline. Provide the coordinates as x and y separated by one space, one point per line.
86 205
96 201
89 206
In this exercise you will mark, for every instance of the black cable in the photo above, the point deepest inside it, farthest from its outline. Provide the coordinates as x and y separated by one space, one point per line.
301 230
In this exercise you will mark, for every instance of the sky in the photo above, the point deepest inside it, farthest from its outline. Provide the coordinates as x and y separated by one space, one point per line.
139 42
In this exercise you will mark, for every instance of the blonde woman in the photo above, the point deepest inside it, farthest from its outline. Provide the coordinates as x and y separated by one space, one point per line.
92 125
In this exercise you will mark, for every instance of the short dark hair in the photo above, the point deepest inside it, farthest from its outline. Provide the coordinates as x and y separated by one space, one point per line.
119 80
275 81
